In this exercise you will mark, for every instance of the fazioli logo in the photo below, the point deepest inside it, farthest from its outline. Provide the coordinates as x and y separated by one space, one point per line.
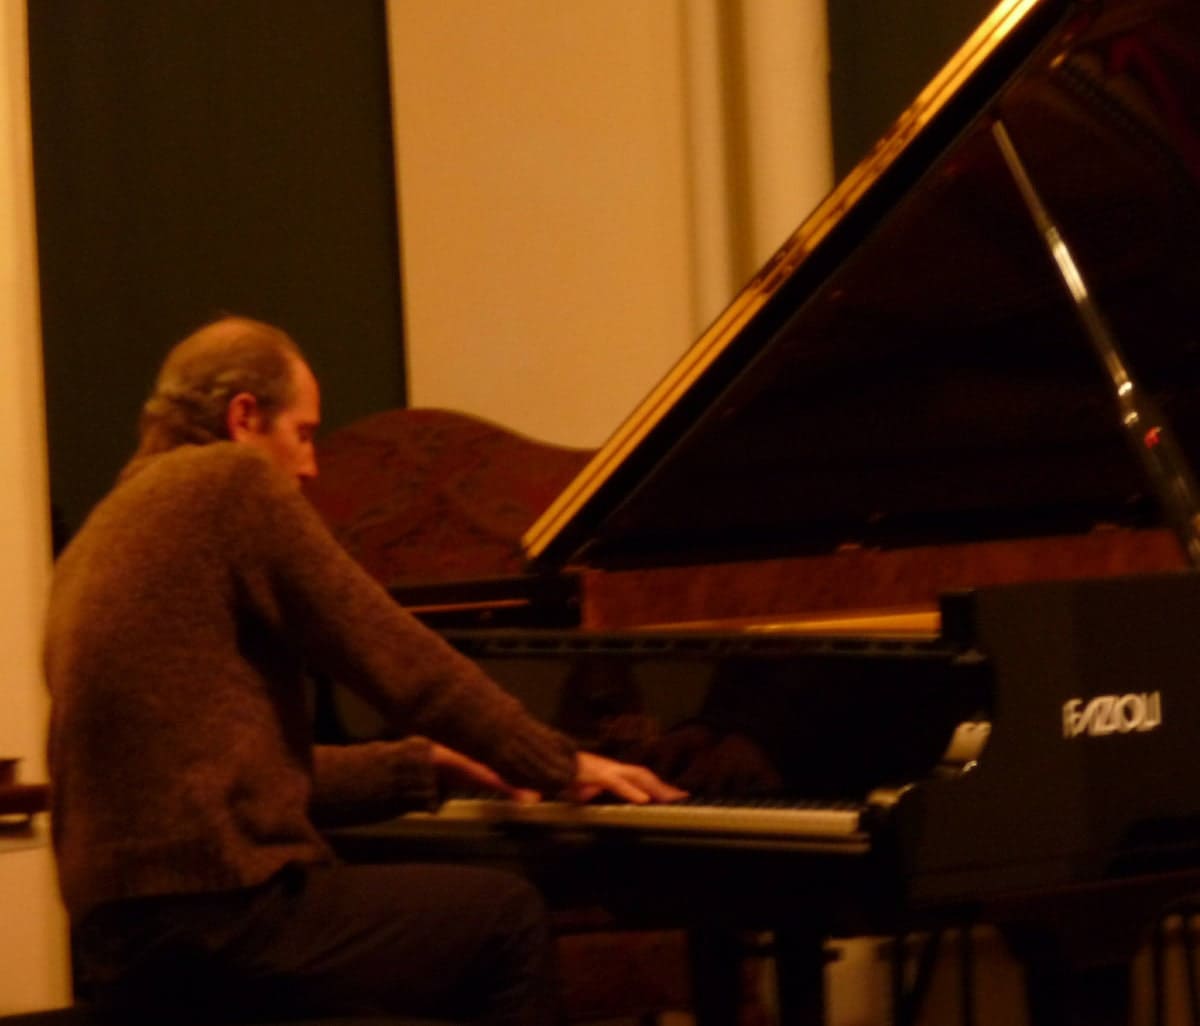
1112 714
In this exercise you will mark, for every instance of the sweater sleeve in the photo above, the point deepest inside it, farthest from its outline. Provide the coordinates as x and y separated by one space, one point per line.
372 781
299 580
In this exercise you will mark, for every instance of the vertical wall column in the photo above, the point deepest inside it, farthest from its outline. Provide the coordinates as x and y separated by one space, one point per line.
760 142
789 141
32 943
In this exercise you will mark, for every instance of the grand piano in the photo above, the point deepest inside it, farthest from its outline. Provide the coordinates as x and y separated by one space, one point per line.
895 570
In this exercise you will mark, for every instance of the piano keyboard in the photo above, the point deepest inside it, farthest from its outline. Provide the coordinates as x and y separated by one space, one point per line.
765 819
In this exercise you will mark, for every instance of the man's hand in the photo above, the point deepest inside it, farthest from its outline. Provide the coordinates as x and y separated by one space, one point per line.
595 774
457 771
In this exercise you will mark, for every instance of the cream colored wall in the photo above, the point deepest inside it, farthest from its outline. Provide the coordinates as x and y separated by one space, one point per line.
575 186
33 959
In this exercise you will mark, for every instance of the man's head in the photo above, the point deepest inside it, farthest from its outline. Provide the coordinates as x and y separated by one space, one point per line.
241 380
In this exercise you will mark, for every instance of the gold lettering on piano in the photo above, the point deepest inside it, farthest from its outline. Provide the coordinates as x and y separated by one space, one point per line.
1112 714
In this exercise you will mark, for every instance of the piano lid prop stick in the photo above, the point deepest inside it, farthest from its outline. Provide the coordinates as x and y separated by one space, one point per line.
1145 426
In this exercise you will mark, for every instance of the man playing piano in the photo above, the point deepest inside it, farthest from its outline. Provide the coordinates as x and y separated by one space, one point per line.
186 791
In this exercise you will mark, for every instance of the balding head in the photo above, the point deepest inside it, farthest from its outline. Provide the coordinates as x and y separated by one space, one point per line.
204 372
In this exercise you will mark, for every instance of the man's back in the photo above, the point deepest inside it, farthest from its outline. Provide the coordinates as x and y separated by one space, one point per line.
179 745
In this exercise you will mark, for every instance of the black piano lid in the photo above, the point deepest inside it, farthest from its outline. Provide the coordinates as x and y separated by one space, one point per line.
908 367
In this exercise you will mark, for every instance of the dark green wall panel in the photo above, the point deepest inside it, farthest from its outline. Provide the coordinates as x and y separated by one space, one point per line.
882 54
194 157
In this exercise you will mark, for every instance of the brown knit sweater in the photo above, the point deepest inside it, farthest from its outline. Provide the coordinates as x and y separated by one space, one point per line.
179 620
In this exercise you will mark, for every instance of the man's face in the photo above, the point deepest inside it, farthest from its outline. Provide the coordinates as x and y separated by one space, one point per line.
289 439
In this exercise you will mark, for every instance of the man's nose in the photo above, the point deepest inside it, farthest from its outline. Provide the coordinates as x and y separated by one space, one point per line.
308 468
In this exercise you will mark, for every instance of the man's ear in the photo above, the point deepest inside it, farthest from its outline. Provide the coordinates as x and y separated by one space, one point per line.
243 417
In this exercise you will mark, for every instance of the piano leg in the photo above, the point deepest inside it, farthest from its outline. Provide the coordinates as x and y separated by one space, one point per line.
1064 991
1096 996
800 958
715 960
909 998
719 994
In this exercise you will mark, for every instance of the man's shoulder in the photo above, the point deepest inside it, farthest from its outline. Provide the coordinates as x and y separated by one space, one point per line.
207 463
197 478
186 492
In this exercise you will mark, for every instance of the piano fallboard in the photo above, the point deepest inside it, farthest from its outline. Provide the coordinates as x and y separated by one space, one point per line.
747 714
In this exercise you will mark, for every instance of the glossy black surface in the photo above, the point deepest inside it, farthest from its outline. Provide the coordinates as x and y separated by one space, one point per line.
921 374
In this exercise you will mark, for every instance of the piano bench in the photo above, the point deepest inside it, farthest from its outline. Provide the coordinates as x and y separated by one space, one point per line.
80 1016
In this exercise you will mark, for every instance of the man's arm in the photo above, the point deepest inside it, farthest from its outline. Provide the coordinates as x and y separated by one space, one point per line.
299 581
362 783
